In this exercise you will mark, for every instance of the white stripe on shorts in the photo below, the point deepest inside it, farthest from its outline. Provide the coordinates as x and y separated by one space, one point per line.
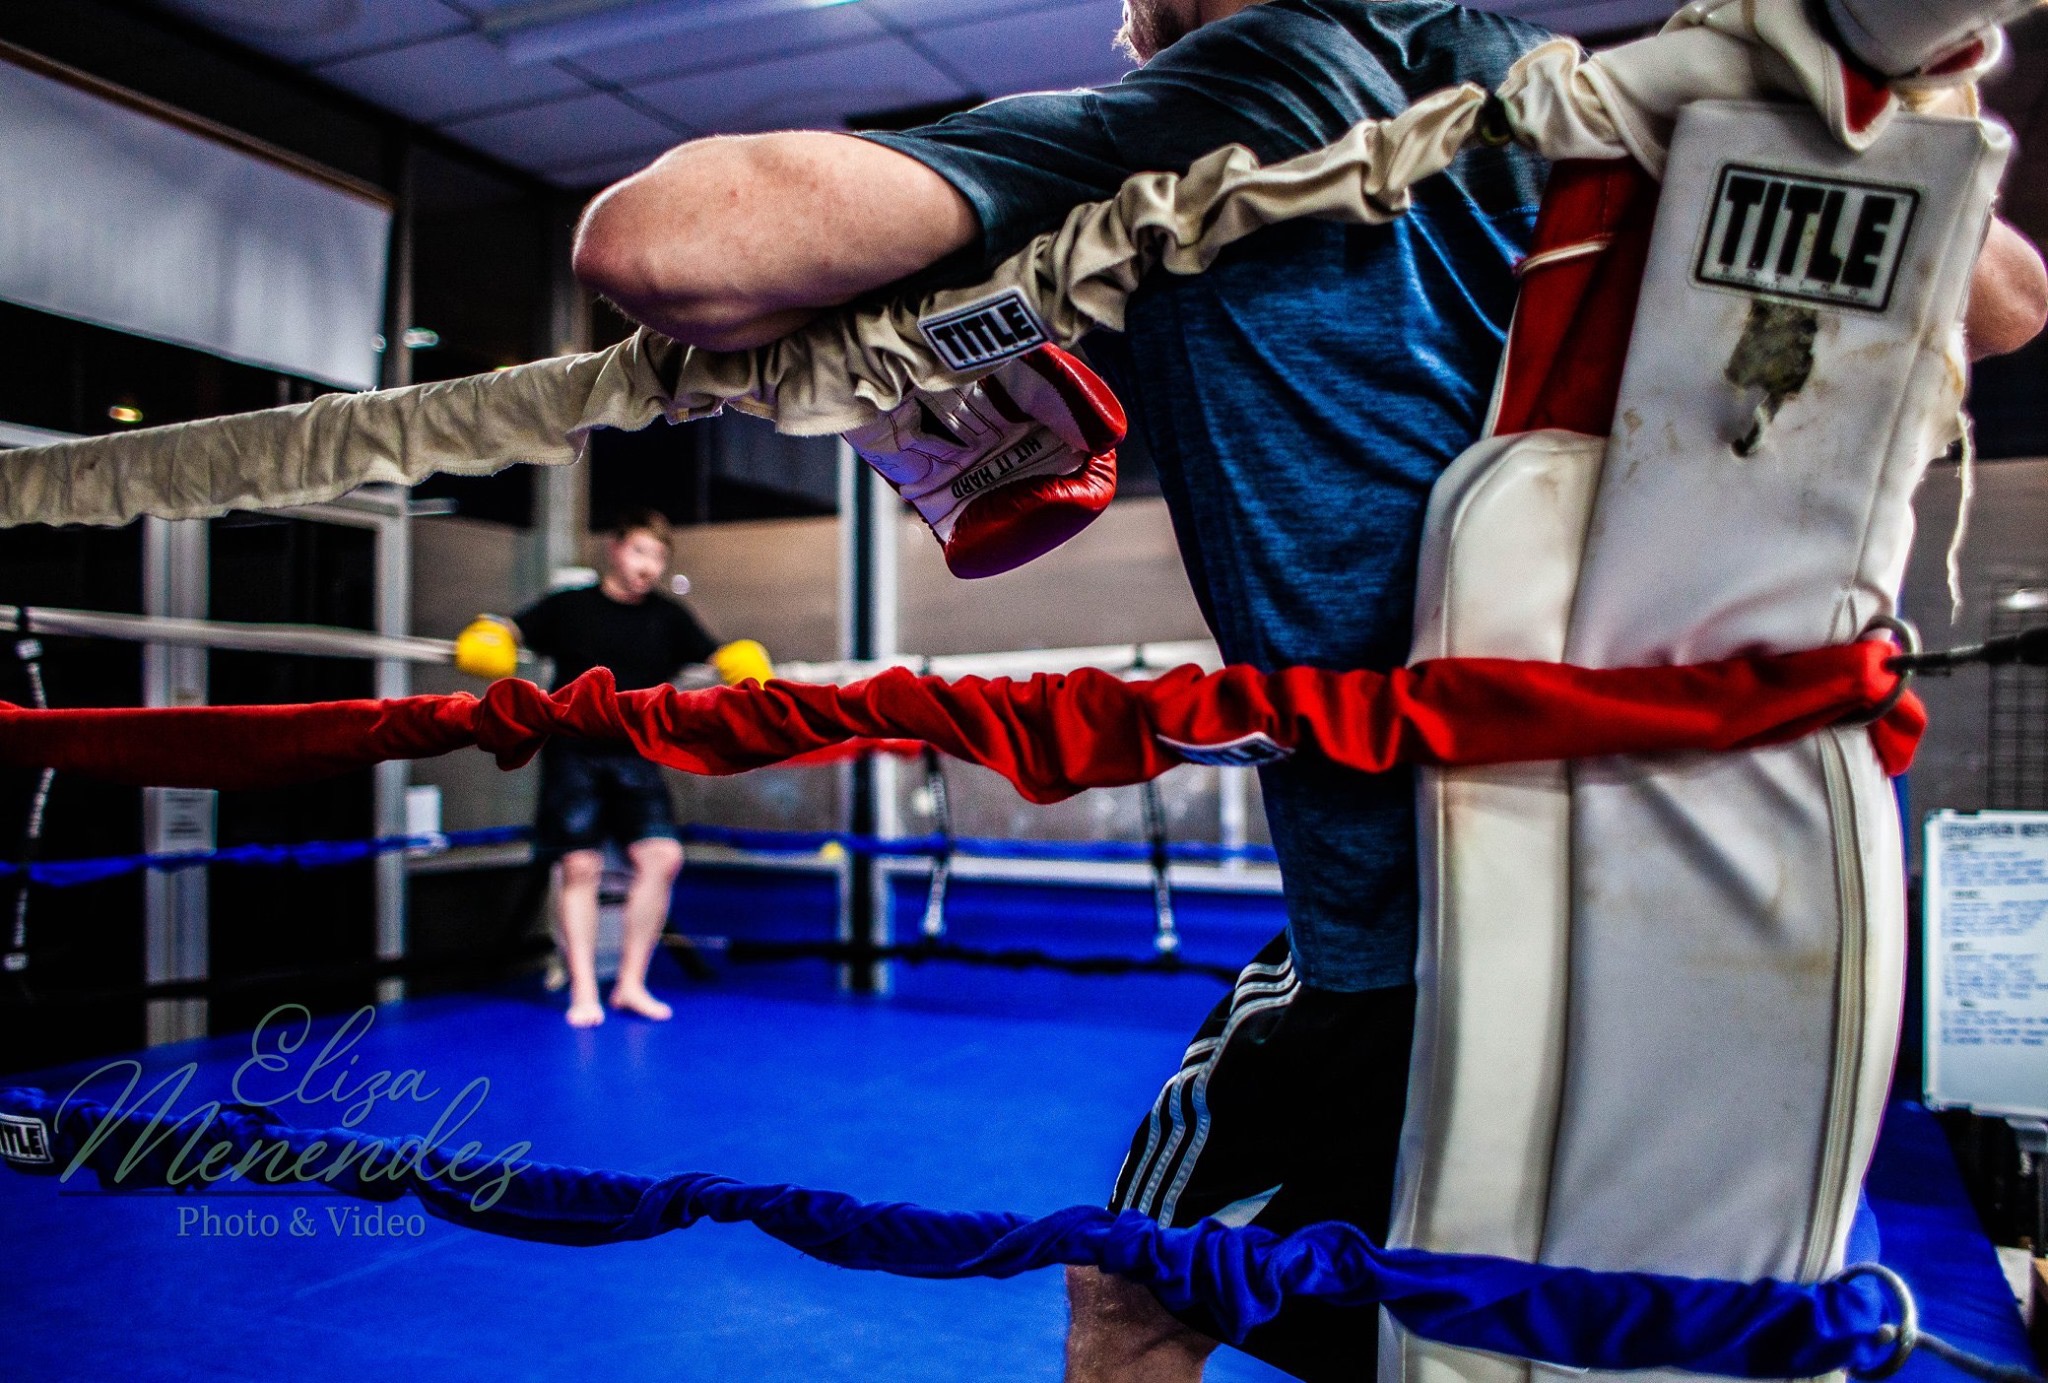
1259 987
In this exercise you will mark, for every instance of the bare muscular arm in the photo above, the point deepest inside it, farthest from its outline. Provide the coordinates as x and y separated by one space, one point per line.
733 242
2008 294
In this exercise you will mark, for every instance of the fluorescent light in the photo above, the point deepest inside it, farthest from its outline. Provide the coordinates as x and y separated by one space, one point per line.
540 30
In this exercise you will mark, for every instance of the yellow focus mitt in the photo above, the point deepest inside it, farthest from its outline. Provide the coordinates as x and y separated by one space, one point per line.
743 660
488 648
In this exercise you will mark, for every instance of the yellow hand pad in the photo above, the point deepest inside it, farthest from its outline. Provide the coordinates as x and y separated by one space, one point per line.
743 660
488 648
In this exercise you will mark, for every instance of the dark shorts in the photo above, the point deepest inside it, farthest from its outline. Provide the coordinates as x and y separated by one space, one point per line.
592 795
1286 1112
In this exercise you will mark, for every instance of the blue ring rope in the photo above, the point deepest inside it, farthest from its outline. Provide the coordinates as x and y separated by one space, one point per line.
324 854
312 854
1240 1277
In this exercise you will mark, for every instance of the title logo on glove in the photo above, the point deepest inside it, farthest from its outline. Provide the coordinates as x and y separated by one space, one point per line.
1819 240
985 331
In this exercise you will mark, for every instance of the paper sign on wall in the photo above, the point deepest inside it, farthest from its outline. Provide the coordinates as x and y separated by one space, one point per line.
1986 933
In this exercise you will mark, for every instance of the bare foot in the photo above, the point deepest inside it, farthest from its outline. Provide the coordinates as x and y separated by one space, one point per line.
586 1013
641 1002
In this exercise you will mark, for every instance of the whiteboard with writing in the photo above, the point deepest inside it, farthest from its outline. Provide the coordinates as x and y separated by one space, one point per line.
1986 934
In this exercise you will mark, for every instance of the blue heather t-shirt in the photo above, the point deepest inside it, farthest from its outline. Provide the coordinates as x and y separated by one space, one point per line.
1301 396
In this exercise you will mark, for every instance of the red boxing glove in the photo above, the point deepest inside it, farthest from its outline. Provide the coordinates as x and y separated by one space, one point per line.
1005 468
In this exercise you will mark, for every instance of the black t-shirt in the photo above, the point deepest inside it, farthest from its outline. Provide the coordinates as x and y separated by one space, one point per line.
644 645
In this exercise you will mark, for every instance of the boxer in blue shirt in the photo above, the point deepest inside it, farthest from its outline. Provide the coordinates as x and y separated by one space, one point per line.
1300 398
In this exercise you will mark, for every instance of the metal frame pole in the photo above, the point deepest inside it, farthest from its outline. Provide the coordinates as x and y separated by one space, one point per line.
176 916
868 630
394 679
563 492
382 509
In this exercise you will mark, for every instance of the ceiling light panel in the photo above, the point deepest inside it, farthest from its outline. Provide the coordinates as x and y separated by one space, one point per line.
814 90
1043 50
448 77
734 43
313 30
934 13
566 134
541 30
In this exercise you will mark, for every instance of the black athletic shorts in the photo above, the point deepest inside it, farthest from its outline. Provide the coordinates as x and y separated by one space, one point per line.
1286 1112
590 794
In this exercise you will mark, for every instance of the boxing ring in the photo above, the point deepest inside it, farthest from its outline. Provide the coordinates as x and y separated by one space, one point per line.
883 1096
991 1095
1662 933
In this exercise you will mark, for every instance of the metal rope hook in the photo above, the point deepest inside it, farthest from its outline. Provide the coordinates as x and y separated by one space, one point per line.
1909 640
15 959
1906 1337
934 924
2028 648
933 927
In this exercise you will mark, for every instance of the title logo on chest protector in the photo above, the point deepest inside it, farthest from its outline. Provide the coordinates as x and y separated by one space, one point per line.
985 331
1797 236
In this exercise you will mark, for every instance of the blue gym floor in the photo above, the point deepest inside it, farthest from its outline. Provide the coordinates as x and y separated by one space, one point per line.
964 1089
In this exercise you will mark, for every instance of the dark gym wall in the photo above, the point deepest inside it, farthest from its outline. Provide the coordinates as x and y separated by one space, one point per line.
266 568
64 375
2005 394
87 938
483 245
483 235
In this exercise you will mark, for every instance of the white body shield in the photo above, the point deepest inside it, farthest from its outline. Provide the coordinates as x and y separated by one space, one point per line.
1660 997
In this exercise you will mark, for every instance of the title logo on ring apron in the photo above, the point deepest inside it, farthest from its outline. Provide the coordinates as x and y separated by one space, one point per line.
985 331
1792 235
